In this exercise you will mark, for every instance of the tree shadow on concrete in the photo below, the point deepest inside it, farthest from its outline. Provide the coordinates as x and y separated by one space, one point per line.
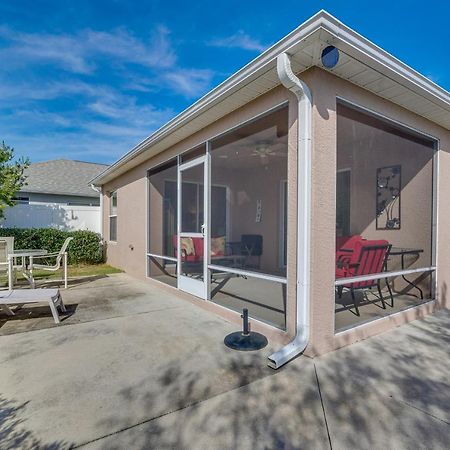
13 431
391 391
246 405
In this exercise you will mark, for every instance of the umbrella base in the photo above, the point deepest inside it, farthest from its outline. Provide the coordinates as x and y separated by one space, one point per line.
245 342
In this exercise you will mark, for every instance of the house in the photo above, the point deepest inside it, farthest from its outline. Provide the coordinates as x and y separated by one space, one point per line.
57 194
308 187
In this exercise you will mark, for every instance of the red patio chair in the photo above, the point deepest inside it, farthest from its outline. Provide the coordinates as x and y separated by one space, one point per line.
367 258
345 246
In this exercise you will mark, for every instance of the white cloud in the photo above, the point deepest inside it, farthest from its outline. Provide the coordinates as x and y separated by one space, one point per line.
240 40
68 110
75 138
104 126
47 90
79 52
189 82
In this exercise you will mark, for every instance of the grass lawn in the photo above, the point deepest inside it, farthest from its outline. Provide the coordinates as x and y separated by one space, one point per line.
82 270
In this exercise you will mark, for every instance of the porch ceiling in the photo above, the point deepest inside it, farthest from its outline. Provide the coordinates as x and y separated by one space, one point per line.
361 62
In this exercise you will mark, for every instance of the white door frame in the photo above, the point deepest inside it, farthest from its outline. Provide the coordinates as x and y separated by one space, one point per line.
193 286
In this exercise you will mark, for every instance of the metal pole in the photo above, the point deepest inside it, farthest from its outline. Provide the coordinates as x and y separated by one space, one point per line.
65 270
10 273
32 282
245 324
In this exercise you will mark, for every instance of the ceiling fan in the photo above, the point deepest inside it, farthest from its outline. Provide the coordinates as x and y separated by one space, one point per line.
265 150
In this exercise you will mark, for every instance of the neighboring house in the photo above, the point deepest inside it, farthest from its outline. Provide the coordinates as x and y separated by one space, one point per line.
306 188
57 194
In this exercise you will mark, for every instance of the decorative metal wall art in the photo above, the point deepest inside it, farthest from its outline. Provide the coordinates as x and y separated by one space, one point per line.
389 186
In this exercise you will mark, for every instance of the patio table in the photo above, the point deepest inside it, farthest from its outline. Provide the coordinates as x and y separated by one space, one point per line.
26 256
402 252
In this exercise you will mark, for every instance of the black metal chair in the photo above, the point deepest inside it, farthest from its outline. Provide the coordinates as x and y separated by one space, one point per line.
251 246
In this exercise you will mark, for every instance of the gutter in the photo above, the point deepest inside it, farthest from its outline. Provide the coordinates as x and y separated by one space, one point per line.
304 123
99 189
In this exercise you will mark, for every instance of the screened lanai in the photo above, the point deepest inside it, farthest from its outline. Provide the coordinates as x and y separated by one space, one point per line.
224 205
385 217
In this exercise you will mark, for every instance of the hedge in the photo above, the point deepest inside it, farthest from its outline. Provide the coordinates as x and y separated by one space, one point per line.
85 248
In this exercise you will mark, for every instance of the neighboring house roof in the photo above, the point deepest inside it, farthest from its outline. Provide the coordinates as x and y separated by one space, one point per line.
361 62
63 177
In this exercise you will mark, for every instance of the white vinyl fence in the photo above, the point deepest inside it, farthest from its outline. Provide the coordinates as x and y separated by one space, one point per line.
52 215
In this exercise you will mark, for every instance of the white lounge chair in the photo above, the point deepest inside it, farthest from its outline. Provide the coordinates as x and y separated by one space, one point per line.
23 296
5 266
9 243
60 257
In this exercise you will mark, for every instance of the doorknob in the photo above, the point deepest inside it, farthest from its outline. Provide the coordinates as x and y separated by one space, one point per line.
202 228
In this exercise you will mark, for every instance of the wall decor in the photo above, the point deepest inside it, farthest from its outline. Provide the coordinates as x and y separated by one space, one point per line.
389 186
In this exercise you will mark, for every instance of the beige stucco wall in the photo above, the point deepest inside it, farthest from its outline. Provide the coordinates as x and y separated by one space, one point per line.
129 252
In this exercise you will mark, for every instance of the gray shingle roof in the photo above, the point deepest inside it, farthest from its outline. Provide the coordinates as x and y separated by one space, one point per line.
62 176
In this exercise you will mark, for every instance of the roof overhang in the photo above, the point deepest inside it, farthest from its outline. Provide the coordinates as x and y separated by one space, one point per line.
361 62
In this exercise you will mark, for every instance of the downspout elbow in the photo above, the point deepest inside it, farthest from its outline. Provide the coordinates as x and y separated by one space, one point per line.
303 93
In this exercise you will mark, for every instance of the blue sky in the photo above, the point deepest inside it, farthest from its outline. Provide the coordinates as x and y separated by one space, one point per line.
89 79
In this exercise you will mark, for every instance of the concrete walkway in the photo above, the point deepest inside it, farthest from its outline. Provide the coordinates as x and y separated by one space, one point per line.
150 370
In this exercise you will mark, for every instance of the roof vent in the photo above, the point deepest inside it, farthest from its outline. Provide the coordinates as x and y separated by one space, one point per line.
330 56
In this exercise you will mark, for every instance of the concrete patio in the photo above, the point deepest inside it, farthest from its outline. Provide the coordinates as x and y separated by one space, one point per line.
137 367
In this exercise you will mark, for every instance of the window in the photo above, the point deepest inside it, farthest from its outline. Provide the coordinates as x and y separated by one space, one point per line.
193 196
21 199
343 202
384 217
113 216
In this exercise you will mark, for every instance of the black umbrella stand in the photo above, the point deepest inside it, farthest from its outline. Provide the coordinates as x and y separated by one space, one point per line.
245 340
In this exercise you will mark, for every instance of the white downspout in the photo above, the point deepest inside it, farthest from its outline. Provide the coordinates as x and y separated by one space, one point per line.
301 90
100 191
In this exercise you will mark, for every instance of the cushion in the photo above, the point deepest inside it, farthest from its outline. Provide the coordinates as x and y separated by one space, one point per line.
218 246
198 247
187 245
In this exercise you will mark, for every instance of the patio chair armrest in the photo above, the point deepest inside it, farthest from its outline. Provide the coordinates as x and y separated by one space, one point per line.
346 264
344 258
346 250
48 255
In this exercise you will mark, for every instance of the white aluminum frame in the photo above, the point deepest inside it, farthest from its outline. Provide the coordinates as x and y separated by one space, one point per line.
380 276
184 283
247 273
169 258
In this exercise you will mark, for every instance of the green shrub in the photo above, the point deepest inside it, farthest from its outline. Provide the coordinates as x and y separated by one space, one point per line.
85 248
